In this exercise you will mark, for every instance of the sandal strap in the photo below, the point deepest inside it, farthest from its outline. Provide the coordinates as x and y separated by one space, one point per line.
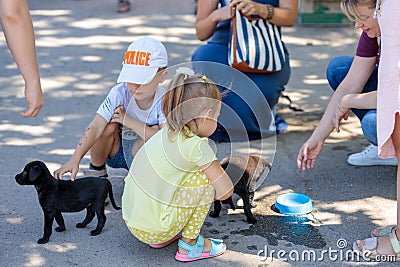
216 246
194 251
385 231
394 242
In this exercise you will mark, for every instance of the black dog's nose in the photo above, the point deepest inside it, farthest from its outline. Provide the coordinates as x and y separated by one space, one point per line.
18 178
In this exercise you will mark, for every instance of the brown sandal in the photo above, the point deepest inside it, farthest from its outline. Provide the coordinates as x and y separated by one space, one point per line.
123 6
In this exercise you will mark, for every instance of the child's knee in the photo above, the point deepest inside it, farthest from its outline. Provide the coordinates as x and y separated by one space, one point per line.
111 129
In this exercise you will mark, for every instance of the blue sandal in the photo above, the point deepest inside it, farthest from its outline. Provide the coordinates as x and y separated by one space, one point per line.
196 251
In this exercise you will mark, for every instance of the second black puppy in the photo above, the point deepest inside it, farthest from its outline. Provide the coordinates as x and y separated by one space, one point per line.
244 172
56 196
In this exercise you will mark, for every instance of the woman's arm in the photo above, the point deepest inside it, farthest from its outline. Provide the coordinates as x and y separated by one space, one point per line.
208 16
359 101
18 30
354 82
349 101
219 179
286 13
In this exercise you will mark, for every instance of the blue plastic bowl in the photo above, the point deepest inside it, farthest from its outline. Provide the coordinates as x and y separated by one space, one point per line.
293 204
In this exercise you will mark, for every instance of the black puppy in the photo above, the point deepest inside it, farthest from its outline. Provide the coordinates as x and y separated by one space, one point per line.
56 196
244 172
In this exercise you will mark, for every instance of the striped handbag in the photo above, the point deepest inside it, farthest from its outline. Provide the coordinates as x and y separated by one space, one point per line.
255 45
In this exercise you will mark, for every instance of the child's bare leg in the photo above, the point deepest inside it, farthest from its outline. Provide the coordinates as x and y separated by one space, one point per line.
107 145
136 146
192 242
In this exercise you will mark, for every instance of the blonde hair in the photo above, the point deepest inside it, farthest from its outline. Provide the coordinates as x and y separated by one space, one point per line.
184 101
349 8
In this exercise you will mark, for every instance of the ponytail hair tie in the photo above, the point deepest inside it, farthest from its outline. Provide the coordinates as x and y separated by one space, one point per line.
204 77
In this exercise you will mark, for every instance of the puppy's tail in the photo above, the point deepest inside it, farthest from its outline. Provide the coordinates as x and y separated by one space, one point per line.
111 195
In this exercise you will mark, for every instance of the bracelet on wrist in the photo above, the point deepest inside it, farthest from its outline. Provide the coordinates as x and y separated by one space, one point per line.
270 11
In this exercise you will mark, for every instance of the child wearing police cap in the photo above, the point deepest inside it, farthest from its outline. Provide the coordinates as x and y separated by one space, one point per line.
130 114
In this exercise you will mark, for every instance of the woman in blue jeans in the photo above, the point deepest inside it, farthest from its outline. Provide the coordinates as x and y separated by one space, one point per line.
336 72
350 76
213 23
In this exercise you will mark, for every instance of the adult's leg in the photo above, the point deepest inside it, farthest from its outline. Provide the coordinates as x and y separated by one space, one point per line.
396 143
218 53
336 71
383 245
368 126
369 156
272 84
250 108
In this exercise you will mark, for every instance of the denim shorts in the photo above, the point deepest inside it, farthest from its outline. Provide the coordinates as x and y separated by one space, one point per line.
123 158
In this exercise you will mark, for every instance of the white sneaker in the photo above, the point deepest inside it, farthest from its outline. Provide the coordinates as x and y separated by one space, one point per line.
369 157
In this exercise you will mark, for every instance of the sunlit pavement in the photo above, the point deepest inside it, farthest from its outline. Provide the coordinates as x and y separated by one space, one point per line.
80 45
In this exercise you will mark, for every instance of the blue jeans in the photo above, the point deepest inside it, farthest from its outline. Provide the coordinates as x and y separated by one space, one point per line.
123 158
368 125
271 86
336 71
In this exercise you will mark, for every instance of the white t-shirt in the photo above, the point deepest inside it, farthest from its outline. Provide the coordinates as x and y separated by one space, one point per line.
120 95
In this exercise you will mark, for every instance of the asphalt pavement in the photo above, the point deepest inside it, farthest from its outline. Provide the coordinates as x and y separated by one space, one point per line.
80 44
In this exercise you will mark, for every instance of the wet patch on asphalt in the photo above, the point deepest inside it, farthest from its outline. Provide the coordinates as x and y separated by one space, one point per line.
272 226
293 229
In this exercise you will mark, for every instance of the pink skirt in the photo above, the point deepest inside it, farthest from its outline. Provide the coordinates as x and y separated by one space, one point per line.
389 76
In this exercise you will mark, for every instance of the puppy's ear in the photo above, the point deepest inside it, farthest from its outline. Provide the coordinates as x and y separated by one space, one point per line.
34 173
259 165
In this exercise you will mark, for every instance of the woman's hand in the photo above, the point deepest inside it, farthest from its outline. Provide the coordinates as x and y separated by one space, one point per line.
222 14
308 154
342 112
34 98
248 7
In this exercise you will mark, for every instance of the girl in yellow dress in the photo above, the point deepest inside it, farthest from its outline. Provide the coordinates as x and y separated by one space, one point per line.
175 176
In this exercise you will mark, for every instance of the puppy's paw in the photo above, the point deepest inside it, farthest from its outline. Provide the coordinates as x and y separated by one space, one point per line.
43 240
94 232
59 229
80 225
214 214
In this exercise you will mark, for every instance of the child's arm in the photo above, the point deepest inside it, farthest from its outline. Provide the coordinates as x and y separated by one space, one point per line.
89 137
141 129
219 179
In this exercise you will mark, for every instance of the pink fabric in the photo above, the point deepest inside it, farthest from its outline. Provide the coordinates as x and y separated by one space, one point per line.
389 76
